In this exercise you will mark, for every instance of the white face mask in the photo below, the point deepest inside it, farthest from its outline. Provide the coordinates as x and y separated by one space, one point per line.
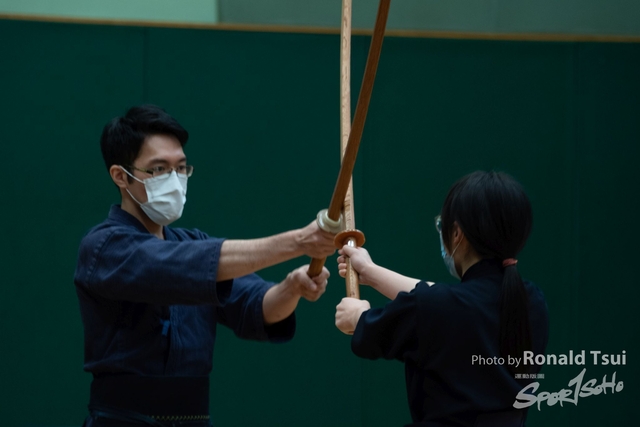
448 259
166 197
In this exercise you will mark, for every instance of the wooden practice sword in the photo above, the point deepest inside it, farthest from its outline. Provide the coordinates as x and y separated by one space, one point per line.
343 183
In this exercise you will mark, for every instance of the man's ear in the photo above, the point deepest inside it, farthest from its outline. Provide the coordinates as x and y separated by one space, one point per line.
119 176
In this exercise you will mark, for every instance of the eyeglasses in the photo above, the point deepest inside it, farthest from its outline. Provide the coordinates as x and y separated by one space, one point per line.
165 172
439 224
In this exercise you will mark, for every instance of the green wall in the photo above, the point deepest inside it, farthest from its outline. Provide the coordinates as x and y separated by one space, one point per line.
485 16
262 110
585 17
193 11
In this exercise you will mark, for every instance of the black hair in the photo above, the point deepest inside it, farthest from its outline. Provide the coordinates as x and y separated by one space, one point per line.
495 216
123 136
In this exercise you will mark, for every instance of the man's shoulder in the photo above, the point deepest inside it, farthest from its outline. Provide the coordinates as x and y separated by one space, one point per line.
126 232
115 221
185 234
111 228
99 234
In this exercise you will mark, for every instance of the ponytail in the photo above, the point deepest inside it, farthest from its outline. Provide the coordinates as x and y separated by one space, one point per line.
515 332
494 213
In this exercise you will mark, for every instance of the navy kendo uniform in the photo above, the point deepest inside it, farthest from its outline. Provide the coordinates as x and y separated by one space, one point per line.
150 308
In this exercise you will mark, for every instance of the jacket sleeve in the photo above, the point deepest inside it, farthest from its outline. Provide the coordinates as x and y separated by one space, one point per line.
389 332
142 268
243 314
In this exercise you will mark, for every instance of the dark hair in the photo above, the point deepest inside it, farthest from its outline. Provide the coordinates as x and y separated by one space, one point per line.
123 136
495 215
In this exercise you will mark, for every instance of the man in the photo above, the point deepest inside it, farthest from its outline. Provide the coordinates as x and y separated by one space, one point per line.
151 296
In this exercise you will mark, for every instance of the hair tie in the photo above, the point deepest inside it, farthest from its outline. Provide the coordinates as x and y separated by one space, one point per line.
509 261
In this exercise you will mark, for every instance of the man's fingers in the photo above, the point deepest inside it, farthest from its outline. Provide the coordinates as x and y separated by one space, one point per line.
327 235
311 288
324 275
314 295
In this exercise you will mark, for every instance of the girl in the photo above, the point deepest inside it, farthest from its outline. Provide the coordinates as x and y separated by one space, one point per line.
462 344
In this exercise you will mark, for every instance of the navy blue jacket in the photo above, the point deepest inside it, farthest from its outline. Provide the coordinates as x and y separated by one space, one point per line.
436 330
150 306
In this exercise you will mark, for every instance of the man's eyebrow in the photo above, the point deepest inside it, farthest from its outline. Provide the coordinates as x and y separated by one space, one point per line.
157 160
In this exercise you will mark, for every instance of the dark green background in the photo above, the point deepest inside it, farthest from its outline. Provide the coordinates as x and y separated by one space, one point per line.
263 113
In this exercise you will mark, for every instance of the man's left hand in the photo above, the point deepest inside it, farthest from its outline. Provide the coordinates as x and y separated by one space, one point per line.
309 288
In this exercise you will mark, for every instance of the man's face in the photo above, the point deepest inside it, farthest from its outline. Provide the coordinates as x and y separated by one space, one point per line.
156 150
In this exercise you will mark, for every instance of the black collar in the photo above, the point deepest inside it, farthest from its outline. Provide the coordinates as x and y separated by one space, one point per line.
484 267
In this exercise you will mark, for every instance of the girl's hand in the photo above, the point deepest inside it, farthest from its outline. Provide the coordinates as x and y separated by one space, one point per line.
360 261
348 313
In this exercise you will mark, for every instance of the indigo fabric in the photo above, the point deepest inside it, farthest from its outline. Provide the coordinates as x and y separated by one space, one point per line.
151 306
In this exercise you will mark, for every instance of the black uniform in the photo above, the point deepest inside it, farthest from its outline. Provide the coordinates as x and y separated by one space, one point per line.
436 331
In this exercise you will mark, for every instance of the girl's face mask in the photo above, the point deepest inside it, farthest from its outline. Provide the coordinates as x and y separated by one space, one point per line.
448 259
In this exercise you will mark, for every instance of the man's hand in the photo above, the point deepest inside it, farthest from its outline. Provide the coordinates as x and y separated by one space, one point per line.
282 299
348 313
300 284
360 261
315 242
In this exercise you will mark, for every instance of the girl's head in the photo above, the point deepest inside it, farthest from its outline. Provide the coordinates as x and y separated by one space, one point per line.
493 212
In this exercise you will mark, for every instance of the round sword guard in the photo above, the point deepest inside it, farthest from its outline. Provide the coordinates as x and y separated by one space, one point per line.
343 237
327 224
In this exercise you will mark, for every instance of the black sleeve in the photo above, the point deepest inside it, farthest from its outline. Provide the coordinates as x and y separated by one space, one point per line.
389 332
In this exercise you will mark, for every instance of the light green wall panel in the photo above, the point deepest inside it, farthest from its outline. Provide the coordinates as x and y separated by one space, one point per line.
587 17
503 16
200 11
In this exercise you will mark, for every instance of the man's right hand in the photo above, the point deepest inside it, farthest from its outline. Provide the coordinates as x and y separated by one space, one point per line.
315 242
